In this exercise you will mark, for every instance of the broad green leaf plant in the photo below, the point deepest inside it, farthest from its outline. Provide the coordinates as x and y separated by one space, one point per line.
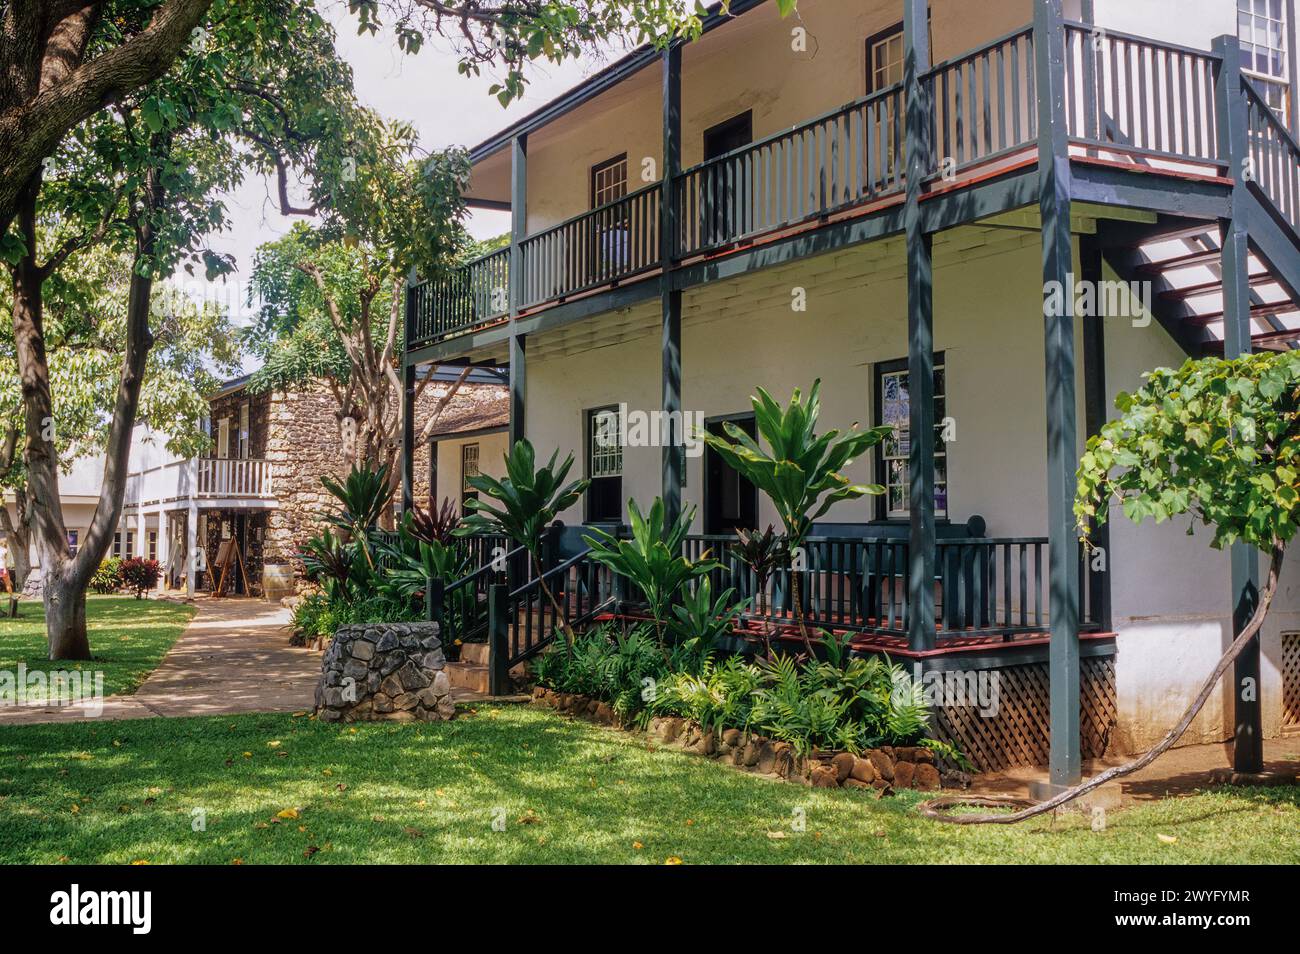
801 471
524 503
652 559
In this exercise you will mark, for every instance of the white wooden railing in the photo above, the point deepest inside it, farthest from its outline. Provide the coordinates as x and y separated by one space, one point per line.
233 477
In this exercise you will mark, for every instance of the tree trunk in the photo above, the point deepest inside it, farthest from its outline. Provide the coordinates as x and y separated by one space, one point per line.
65 613
19 538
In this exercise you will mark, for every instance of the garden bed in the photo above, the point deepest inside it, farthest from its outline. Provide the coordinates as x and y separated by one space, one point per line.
882 769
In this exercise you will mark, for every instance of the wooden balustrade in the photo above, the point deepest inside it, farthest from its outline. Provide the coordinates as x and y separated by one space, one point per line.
234 477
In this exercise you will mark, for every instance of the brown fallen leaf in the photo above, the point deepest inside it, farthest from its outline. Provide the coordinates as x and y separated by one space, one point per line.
413 832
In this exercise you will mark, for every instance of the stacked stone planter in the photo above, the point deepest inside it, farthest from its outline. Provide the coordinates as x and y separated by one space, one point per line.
384 671
883 769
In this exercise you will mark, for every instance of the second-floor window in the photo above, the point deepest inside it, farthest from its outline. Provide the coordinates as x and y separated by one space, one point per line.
1262 29
243 431
893 408
609 181
468 469
604 466
885 59
223 438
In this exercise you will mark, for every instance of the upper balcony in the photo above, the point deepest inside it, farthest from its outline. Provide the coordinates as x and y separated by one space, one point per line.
226 482
1135 105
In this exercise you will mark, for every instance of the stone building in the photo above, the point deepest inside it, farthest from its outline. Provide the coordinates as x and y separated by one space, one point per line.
260 484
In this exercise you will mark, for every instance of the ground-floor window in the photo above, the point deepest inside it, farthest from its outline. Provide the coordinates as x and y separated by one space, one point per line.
152 540
74 541
604 465
124 544
893 408
468 469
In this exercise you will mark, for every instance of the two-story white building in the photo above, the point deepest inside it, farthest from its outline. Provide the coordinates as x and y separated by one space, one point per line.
878 194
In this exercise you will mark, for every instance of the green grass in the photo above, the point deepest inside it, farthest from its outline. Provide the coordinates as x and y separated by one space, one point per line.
128 638
127 791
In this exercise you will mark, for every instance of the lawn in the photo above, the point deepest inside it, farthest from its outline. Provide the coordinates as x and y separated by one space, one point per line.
128 638
285 789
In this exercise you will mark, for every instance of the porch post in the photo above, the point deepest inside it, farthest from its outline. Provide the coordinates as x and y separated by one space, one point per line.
920 334
141 532
1096 410
518 232
162 546
518 386
1062 449
191 545
671 300
1234 233
408 436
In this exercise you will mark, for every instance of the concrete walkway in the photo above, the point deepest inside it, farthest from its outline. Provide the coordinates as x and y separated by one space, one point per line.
233 657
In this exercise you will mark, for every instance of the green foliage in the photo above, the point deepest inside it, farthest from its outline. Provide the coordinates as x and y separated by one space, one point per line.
333 563
527 499
607 662
720 696
140 575
1215 439
434 525
364 496
652 559
802 472
108 578
700 621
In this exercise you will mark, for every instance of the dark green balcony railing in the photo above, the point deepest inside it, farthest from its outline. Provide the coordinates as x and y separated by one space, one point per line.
601 247
1274 156
463 300
847 157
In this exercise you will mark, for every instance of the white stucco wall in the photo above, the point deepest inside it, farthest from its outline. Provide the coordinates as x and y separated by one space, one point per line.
1170 592
491 461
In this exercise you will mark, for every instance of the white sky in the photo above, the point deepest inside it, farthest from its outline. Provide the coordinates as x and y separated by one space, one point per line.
425 90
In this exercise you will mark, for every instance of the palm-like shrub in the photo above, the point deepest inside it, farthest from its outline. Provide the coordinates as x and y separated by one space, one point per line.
522 505
802 471
364 496
436 524
333 563
652 559
700 621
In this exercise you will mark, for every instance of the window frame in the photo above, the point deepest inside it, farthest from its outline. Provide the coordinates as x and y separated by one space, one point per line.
466 491
589 417
881 370
876 39
594 189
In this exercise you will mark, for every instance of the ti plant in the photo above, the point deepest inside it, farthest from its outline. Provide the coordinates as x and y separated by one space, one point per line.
522 505
333 563
801 472
436 524
652 560
363 499
764 553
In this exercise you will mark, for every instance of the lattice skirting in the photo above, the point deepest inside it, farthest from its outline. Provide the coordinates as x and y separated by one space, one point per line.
1291 680
1019 733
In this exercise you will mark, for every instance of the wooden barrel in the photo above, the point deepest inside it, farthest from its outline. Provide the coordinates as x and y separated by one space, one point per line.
278 581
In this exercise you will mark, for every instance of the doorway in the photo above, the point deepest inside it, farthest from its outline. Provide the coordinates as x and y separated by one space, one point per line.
725 201
730 501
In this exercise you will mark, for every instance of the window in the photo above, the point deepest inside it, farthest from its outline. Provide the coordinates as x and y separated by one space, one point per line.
243 431
74 541
1261 26
152 540
729 135
605 465
885 59
223 438
1262 29
893 408
124 544
609 181
468 469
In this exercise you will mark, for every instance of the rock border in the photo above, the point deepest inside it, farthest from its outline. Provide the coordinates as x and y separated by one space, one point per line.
882 770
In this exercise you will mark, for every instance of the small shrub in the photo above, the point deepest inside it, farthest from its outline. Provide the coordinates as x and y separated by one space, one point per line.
140 575
108 578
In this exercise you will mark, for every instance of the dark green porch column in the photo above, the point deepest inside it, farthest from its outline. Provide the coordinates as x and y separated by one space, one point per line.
671 299
1234 232
408 437
1062 448
920 334
518 232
